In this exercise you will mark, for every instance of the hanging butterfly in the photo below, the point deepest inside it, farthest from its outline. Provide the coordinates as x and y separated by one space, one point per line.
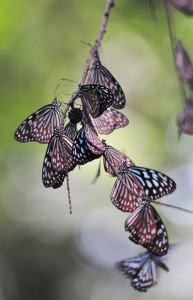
86 146
75 116
101 75
147 229
40 125
50 177
184 64
58 159
113 159
142 270
134 182
184 6
110 120
95 98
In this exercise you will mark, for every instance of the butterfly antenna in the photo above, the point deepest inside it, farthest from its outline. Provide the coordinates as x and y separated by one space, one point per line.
68 190
87 44
98 172
173 206
56 90
65 79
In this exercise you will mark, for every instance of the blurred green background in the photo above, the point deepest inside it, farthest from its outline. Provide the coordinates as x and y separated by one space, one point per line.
46 253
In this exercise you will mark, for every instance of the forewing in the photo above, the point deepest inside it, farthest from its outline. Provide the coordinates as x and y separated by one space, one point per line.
124 193
154 183
40 125
159 246
146 277
142 224
102 76
110 120
95 145
113 159
80 150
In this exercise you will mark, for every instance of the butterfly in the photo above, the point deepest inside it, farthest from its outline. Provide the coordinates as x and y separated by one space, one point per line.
185 7
142 270
134 182
113 159
58 160
185 117
184 64
101 75
106 123
95 98
86 146
147 229
40 125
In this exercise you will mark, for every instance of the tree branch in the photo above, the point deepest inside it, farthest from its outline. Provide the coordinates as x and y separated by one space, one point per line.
109 5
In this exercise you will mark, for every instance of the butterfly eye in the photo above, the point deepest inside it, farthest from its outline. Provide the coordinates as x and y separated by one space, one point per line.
40 125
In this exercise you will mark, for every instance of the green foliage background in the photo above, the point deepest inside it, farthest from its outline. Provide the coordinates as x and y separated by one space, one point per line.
44 252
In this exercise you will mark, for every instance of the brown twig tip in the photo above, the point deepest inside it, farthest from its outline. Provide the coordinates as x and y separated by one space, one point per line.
109 5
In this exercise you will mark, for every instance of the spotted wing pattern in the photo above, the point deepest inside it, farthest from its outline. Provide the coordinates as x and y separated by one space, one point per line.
95 98
110 120
154 183
113 159
40 125
101 75
147 229
142 270
83 149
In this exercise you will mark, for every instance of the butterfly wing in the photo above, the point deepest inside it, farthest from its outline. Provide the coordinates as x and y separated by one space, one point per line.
50 177
126 191
113 159
80 149
142 224
131 266
95 145
102 76
70 130
95 98
159 245
110 120
146 277
40 125
154 183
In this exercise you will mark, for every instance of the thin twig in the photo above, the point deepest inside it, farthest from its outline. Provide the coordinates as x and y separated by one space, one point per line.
68 190
173 206
173 40
109 5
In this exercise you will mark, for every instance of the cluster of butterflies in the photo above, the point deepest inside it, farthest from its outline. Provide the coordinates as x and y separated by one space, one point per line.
134 188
